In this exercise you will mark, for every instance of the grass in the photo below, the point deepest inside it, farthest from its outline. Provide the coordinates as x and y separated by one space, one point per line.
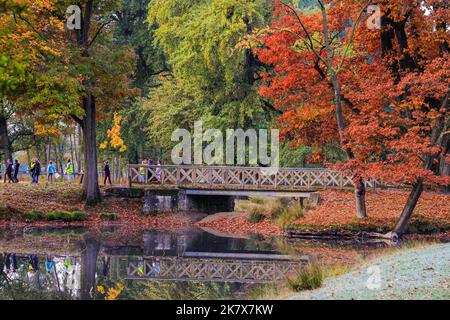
255 217
109 216
289 214
282 211
56 215
308 278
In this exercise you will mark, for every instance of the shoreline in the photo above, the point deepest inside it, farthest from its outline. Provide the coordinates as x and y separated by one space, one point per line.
334 213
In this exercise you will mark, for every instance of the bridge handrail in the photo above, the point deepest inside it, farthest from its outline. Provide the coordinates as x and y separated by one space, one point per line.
223 167
230 176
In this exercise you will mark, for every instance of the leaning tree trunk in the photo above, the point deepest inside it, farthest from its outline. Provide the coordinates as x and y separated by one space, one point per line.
402 223
91 192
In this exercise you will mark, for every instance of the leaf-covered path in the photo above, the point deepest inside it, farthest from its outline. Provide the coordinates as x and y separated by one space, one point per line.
419 273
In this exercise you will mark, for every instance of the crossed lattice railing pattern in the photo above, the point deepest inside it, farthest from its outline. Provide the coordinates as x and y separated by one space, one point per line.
220 270
242 177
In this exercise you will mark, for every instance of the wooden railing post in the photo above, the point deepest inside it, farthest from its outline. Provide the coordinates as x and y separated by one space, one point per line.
130 180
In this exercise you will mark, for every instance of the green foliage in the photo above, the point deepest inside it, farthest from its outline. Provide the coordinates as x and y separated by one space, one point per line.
255 215
56 215
169 290
33 216
257 200
110 216
296 158
212 79
308 278
289 214
79 215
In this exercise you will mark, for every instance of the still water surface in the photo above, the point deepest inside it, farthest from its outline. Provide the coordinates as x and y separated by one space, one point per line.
115 263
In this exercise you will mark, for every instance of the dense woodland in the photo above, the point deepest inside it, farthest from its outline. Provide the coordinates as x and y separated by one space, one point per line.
374 102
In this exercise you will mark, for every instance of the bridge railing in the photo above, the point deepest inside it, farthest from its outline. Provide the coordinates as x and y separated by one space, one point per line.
241 177
208 269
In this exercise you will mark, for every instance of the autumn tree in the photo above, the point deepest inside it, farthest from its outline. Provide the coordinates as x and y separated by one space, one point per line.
392 84
104 79
25 46
401 134
308 51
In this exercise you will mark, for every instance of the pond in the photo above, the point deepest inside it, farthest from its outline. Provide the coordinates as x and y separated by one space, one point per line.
118 263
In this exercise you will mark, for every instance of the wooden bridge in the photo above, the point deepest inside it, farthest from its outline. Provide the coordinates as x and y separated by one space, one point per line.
233 178
210 268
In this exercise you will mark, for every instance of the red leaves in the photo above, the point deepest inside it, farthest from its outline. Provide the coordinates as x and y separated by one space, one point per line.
384 207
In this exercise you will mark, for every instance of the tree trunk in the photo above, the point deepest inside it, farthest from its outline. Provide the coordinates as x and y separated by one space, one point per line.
89 267
78 148
402 223
91 192
360 197
360 190
5 144
49 151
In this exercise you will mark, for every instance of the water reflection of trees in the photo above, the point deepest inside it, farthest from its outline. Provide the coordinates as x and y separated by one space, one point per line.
25 284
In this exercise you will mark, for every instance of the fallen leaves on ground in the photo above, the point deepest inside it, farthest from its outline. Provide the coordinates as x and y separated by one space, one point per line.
383 209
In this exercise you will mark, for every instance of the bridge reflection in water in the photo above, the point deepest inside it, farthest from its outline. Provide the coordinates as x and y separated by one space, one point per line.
218 269
227 260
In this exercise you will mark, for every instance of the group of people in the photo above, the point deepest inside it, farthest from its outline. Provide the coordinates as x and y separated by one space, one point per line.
12 171
31 265
150 177
35 170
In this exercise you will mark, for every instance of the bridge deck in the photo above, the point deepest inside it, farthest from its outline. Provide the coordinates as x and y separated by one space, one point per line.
241 178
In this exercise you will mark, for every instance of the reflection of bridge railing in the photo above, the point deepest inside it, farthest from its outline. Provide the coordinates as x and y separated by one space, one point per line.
241 177
211 269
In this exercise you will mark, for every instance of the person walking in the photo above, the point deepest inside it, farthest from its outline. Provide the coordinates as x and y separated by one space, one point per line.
9 171
69 171
142 171
107 172
158 170
16 171
32 164
37 171
51 170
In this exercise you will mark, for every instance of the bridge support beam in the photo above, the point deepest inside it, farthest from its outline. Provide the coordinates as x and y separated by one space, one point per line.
156 201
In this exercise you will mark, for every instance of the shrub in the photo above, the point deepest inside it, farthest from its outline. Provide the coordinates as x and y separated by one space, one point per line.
33 216
63 215
51 216
308 278
110 216
255 215
79 215
257 200
288 215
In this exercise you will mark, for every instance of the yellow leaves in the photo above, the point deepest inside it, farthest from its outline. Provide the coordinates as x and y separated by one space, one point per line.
111 293
101 289
46 130
115 141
